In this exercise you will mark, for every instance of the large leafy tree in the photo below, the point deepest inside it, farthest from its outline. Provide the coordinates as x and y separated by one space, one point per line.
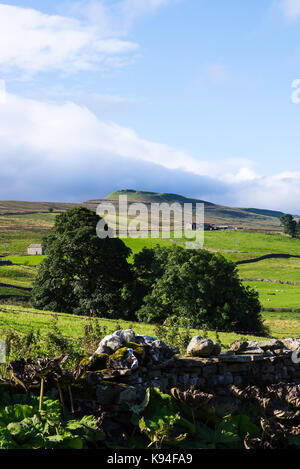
83 273
200 286
289 225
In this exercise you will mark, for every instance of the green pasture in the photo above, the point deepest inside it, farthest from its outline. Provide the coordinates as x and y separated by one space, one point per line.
26 260
274 269
273 295
18 275
25 319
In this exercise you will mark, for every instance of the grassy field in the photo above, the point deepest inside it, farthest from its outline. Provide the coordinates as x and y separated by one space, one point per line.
18 275
277 295
247 242
26 260
13 291
18 231
274 269
24 319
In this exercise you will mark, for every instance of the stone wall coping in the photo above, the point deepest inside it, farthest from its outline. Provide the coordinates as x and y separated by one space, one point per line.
194 362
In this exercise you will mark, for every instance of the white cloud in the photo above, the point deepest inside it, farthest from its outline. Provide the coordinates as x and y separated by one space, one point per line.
116 17
52 151
31 41
291 9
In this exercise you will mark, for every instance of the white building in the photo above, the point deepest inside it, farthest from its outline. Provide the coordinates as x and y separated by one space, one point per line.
35 250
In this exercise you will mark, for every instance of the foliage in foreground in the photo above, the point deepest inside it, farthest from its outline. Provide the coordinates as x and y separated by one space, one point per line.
265 417
23 426
179 420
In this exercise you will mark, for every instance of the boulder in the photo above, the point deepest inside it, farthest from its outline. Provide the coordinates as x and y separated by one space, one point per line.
200 347
292 344
160 351
109 344
127 336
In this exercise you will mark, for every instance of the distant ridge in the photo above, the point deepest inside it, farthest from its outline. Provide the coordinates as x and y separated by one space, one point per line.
257 219
268 213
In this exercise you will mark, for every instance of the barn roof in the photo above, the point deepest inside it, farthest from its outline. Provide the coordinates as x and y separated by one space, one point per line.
35 246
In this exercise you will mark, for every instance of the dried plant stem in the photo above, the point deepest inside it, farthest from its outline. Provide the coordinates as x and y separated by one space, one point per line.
71 399
41 395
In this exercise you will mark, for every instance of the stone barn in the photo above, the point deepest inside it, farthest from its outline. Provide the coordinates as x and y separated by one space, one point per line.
35 250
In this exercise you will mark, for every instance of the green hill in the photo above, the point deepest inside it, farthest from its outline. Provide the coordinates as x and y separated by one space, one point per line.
214 214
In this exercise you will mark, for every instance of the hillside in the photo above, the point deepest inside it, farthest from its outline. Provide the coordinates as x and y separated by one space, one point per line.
256 219
268 213
15 207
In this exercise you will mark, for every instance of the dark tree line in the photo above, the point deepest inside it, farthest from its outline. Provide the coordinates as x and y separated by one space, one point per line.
84 274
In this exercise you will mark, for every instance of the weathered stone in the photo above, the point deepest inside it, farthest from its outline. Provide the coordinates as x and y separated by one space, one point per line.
209 370
272 344
110 344
292 344
128 395
160 351
212 380
216 350
238 346
253 350
200 347
124 358
145 339
127 336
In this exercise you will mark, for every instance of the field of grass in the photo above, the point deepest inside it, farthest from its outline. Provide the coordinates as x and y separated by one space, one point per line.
27 260
273 295
137 245
259 243
19 230
19 275
13 291
282 325
274 269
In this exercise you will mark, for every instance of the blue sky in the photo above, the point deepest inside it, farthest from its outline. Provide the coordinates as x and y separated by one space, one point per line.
186 96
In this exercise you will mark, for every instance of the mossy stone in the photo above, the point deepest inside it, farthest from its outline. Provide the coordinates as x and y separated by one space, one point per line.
98 363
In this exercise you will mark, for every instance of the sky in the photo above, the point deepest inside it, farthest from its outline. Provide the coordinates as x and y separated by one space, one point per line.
195 97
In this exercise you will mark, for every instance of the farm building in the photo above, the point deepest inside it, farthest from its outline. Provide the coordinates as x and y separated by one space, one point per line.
35 250
224 227
198 226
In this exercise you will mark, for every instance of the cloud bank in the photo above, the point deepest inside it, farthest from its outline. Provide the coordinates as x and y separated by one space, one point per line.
65 152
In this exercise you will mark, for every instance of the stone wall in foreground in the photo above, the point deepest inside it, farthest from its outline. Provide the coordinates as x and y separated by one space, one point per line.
214 374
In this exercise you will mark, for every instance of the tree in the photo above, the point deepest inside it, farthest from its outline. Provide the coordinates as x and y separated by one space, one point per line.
83 273
202 287
289 224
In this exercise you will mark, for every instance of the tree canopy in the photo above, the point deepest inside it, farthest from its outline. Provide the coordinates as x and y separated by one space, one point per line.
83 273
198 285
290 226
